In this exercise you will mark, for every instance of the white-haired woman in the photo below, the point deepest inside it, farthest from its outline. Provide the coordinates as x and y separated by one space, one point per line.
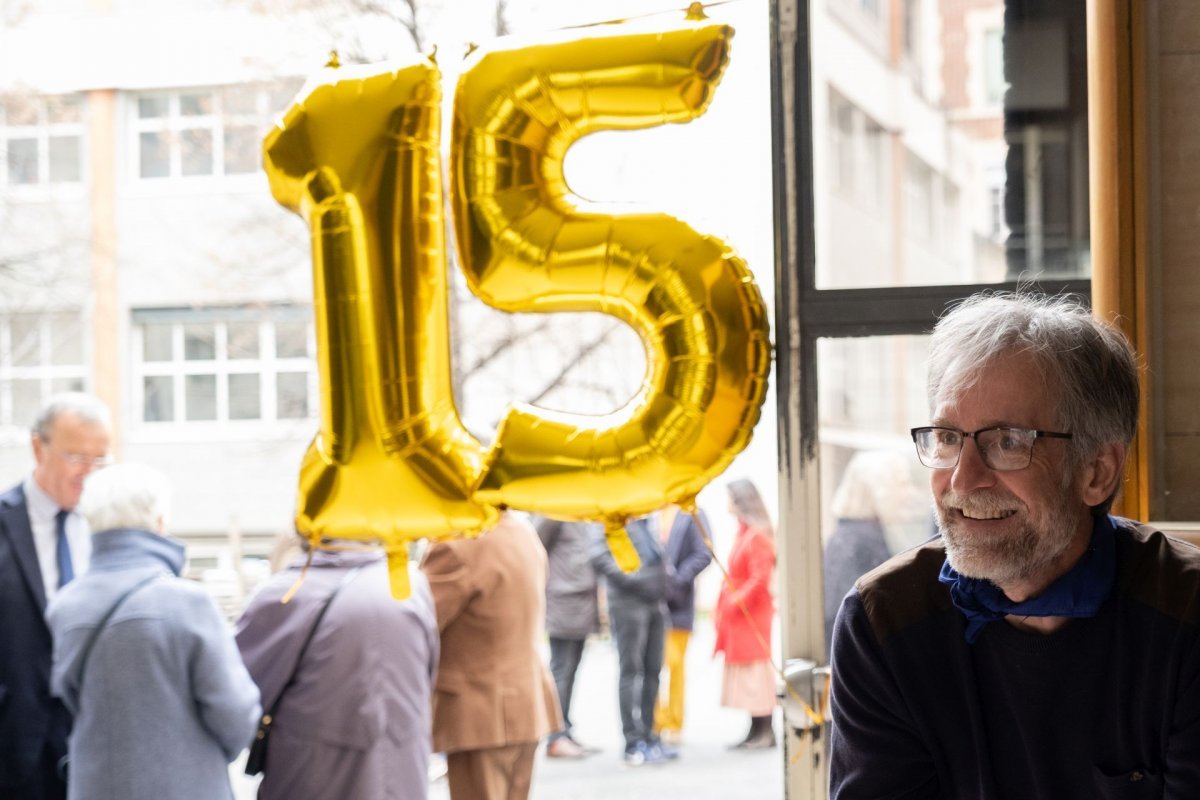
143 658
878 512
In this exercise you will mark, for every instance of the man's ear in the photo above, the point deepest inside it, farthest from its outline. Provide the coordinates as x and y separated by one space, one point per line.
1102 474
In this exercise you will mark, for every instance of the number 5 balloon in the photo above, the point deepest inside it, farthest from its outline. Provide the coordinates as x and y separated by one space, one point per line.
527 244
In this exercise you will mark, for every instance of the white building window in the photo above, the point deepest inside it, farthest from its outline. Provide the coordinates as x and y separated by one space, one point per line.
919 200
204 132
994 82
40 354
858 154
224 365
41 139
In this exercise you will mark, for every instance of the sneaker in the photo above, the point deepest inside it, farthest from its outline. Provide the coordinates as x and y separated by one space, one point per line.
645 753
635 755
565 747
659 751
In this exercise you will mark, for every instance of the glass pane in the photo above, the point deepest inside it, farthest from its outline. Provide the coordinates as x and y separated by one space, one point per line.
874 496
65 108
156 342
238 100
25 330
196 152
22 156
244 402
194 104
20 111
242 339
154 155
283 93
964 161
291 395
158 398
199 341
64 159
291 339
66 385
241 149
153 106
66 340
200 397
26 401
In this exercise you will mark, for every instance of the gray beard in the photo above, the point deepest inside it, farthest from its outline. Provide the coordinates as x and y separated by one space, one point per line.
1016 558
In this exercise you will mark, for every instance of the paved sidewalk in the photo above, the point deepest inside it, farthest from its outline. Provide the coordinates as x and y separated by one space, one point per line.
706 770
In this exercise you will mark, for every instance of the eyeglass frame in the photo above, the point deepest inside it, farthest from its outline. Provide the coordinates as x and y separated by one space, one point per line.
81 460
983 452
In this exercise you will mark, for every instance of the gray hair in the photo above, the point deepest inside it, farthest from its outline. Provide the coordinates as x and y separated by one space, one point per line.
748 505
1091 361
126 496
85 406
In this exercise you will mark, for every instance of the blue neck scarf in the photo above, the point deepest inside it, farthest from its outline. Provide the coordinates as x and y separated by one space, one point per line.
1078 593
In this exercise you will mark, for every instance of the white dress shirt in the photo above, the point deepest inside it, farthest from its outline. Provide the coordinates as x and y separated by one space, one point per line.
42 511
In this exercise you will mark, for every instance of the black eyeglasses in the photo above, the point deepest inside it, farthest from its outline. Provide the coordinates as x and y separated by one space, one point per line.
1002 449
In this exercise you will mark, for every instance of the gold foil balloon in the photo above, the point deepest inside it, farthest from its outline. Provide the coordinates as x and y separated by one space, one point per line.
357 156
528 245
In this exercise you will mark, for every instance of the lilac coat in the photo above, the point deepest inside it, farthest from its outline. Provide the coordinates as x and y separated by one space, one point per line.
356 723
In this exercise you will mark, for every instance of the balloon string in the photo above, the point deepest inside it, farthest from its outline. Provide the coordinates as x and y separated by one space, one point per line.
690 11
815 715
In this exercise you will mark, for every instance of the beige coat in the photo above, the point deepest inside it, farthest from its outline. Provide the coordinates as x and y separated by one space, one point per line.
493 688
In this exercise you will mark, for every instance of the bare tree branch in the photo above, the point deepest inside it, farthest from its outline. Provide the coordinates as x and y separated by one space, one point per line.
502 344
584 350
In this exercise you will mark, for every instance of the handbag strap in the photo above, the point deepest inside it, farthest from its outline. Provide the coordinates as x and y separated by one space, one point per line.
270 714
95 634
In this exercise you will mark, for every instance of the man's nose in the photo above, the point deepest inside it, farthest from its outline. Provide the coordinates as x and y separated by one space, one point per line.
971 472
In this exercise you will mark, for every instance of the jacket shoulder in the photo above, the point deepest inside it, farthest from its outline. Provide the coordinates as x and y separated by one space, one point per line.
904 589
1160 571
14 496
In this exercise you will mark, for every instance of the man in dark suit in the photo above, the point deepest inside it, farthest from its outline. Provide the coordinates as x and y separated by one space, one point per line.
686 555
44 543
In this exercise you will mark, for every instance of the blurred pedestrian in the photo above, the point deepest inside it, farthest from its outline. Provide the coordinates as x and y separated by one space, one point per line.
44 543
686 556
143 657
348 671
875 505
572 614
744 615
637 613
494 699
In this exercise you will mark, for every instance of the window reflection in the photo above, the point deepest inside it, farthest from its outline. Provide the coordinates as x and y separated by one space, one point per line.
874 496
955 147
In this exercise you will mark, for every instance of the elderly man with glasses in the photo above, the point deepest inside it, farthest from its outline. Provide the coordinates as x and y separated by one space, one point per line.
44 544
1039 648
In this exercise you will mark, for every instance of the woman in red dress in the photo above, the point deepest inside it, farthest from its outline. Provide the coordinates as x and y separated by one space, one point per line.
744 615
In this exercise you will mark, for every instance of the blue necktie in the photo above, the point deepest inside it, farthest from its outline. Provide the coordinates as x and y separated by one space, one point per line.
63 549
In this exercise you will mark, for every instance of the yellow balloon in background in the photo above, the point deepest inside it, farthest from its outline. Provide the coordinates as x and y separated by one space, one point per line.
528 245
357 156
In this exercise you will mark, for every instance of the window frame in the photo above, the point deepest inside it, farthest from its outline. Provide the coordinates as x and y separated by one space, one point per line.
216 122
267 365
42 131
45 371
